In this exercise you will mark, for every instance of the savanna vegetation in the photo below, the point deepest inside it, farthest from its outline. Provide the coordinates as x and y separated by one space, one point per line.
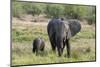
29 20
20 9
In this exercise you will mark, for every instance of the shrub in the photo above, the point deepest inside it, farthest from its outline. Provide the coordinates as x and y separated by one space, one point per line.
91 19
54 10
17 9
75 12
34 9
91 15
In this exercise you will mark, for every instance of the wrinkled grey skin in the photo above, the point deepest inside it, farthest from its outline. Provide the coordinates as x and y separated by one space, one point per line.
38 45
57 34
60 32
74 26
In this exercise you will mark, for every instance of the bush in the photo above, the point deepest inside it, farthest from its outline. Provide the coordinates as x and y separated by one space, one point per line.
34 9
17 9
54 10
75 12
91 19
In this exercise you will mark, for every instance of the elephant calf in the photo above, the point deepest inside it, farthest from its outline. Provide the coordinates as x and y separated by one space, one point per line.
60 32
38 45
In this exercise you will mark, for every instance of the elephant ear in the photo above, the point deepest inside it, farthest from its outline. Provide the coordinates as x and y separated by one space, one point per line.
74 26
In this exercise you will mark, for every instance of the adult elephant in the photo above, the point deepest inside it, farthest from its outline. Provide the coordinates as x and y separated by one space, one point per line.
60 32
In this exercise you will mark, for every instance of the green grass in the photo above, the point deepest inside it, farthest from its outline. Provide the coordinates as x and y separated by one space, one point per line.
28 34
82 45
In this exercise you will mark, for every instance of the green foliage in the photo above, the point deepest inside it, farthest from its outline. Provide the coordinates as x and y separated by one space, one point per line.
85 35
91 15
21 8
27 35
75 12
54 10
31 8
17 9
91 19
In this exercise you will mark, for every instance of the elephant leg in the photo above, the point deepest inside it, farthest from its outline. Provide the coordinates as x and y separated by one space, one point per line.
62 47
59 51
37 52
34 50
43 46
62 50
64 44
53 44
68 47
